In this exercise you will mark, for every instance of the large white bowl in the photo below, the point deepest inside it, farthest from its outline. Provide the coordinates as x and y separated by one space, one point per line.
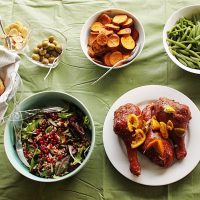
183 12
41 100
111 11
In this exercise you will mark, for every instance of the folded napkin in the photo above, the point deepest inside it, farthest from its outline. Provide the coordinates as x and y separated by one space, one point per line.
9 64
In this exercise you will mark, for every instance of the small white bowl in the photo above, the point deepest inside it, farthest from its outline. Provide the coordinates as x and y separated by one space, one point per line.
36 37
111 11
183 12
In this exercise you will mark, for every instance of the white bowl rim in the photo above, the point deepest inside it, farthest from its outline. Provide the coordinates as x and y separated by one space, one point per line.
173 58
98 13
37 178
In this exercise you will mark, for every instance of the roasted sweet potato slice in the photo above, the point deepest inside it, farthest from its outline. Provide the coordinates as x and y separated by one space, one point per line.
115 57
135 34
106 32
102 39
96 26
112 27
104 19
127 23
126 55
94 33
2 87
119 19
98 49
91 52
106 59
128 42
113 41
125 31
91 39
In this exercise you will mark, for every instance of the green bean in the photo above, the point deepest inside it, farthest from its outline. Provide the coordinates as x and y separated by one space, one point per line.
197 38
184 41
176 43
185 34
189 46
194 54
182 61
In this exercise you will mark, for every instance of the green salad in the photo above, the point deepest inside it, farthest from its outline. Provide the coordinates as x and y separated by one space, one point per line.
56 143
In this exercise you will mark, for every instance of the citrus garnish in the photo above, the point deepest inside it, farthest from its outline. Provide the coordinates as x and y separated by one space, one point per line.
132 122
138 138
155 124
170 125
169 109
157 145
163 130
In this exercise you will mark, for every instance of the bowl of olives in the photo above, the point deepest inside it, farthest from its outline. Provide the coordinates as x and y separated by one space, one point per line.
45 47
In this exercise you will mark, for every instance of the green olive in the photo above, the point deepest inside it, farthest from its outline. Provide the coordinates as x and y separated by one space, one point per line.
58 48
45 44
45 61
55 42
36 50
47 55
42 52
51 46
51 59
51 38
36 57
41 58
39 46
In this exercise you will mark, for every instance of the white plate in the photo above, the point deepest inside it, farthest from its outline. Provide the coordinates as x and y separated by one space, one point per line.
152 174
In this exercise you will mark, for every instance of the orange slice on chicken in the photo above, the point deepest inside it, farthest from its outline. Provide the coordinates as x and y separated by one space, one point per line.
132 122
163 130
138 138
157 144
155 125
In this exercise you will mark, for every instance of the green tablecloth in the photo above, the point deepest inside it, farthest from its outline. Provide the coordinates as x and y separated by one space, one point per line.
99 179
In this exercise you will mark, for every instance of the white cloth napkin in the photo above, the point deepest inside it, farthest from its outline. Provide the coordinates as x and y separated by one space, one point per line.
9 65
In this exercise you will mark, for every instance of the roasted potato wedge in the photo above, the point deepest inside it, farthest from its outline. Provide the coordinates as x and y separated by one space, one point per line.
98 49
96 26
125 31
2 87
127 23
128 42
91 39
113 41
104 19
102 39
112 27
115 57
119 19
106 59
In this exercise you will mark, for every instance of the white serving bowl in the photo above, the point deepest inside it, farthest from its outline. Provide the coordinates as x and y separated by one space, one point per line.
187 11
111 11
42 100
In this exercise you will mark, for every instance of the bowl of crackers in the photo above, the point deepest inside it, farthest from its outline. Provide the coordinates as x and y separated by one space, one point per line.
110 36
18 32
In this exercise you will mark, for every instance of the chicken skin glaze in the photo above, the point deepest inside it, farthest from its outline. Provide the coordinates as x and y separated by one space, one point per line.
162 125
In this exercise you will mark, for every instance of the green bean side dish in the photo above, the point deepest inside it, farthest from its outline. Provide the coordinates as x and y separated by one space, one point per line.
184 41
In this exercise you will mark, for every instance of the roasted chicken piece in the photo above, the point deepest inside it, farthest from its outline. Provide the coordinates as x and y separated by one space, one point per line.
156 148
180 115
121 129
